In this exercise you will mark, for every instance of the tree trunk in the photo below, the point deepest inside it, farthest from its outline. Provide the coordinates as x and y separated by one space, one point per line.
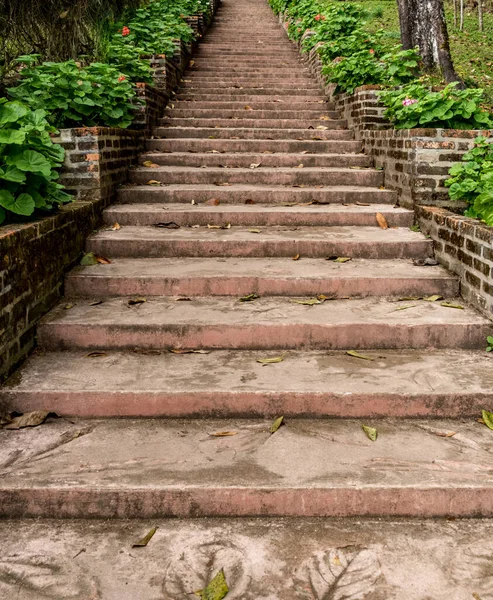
456 16
480 15
461 26
423 25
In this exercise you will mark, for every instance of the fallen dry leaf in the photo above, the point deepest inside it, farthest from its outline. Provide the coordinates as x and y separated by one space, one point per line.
358 355
382 221
276 424
167 225
96 354
153 182
255 165
136 300
249 201
249 298
339 259
296 257
404 307
271 361
96 303
93 259
309 302
371 432
254 230
445 434
116 227
226 226
223 433
145 540
69 306
451 305
487 419
30 419
149 164
212 202
217 589
186 351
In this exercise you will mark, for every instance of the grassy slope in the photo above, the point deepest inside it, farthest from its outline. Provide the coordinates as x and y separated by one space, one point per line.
472 51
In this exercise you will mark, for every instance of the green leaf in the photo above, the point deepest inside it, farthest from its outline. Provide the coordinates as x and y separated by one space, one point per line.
371 432
13 174
89 259
33 162
249 298
12 136
217 589
22 205
487 418
11 112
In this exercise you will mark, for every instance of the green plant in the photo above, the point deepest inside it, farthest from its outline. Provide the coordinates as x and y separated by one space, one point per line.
74 95
416 105
350 72
489 340
28 162
472 180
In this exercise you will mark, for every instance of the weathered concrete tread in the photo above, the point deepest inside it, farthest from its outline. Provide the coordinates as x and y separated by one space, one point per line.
232 383
152 468
391 559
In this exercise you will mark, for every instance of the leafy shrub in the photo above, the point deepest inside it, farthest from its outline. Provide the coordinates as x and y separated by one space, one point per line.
73 95
472 180
336 21
28 162
415 105
350 72
357 41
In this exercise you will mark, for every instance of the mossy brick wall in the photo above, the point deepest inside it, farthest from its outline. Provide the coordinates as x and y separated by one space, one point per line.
417 161
97 160
35 256
465 247
33 260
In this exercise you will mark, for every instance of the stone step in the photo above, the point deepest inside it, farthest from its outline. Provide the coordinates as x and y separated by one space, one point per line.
234 92
260 194
272 103
277 112
261 175
241 133
277 324
257 215
311 147
272 241
310 277
232 384
151 469
207 86
444 559
251 121
259 70
245 160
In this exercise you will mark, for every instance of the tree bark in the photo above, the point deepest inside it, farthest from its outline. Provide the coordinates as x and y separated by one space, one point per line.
461 26
423 25
480 15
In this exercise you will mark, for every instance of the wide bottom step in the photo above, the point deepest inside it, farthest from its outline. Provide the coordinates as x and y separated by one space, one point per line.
280 560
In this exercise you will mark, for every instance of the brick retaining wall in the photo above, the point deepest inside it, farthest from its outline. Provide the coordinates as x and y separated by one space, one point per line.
35 256
416 162
465 247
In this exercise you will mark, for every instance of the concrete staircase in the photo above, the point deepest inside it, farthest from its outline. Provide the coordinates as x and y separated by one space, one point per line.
259 182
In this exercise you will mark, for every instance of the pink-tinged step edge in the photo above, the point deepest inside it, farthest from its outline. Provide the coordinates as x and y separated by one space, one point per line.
238 404
233 384
86 502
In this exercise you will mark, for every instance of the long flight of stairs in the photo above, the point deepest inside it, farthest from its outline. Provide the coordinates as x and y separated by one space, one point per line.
253 184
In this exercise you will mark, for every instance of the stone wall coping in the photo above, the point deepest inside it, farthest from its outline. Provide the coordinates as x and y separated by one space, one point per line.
428 133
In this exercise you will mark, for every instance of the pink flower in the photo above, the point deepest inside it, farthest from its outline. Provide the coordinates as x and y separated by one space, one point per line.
371 51
121 78
125 31
409 101
318 17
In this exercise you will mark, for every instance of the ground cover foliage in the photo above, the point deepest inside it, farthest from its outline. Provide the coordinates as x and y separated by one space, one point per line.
98 51
358 44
